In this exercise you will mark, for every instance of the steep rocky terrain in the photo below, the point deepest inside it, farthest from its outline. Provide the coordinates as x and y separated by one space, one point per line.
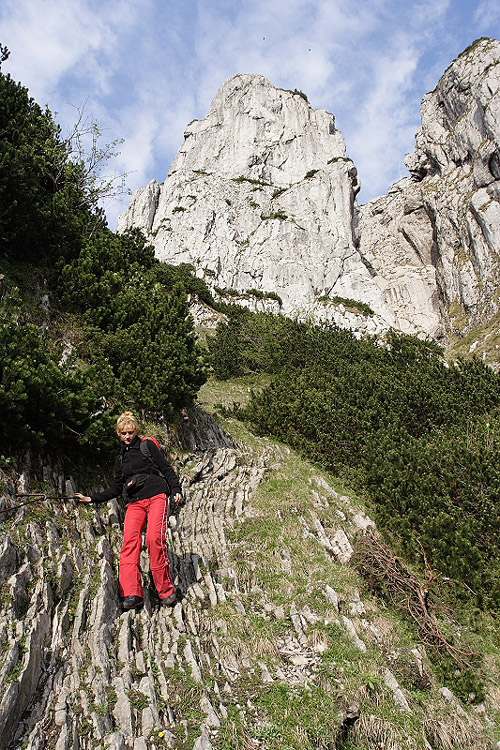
447 217
276 642
261 200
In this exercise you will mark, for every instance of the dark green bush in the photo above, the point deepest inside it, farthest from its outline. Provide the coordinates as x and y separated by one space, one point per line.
44 206
144 332
419 436
184 274
47 405
125 316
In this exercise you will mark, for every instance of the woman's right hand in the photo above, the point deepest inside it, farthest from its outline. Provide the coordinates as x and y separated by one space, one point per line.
82 498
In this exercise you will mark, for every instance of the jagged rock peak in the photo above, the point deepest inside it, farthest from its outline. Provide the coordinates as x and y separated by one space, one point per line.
260 198
447 217
461 117
261 201
261 132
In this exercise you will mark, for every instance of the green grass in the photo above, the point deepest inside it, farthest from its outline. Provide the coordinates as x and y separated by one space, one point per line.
284 715
215 393
486 339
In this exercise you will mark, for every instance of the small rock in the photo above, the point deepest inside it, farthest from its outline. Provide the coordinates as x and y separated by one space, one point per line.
341 547
332 597
352 633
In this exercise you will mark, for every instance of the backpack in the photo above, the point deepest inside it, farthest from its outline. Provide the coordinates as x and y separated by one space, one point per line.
144 447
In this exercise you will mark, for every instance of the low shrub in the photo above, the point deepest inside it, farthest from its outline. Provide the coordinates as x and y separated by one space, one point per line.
419 437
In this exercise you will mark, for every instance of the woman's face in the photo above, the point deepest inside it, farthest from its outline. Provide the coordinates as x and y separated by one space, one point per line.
127 433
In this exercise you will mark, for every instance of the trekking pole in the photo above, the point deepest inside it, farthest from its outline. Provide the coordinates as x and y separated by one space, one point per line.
36 496
44 496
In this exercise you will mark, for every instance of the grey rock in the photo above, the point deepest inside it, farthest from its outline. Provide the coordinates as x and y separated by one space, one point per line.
8 558
356 606
332 597
18 584
362 522
265 674
203 741
452 700
94 675
65 573
351 631
399 697
237 204
212 719
257 193
341 546
115 741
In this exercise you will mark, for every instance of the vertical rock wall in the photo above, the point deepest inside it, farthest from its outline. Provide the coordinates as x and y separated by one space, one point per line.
263 197
447 218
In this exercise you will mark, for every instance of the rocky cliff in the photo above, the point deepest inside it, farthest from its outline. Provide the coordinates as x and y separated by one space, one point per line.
446 217
261 200
276 643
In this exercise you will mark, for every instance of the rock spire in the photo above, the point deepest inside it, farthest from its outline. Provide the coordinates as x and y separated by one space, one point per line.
261 201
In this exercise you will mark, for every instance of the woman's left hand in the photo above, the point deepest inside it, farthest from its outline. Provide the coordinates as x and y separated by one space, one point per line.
178 498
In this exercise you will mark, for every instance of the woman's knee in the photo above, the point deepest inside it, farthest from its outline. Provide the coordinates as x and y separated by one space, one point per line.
132 542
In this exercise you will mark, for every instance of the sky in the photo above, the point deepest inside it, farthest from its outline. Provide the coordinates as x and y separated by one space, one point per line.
144 69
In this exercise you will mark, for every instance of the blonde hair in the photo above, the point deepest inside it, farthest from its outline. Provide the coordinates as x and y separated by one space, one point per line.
127 418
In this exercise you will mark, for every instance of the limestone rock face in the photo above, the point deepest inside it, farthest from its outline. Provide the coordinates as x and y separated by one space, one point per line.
262 197
446 219
78 673
261 200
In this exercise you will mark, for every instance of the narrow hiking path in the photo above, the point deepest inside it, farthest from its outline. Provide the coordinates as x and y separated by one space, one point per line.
276 642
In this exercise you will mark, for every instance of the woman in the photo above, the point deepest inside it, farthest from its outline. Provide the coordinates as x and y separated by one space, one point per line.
149 480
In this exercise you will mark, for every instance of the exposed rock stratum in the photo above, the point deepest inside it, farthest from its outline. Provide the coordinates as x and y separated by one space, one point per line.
261 200
269 604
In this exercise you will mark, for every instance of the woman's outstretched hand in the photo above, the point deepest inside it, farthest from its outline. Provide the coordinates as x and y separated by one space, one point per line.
82 498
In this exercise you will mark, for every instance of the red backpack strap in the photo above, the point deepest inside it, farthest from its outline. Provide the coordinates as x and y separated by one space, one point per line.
155 441
147 453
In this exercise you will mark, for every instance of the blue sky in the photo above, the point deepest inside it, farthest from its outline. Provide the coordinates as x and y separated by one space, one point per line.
145 68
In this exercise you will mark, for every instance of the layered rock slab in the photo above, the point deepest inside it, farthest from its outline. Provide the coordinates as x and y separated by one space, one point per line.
76 672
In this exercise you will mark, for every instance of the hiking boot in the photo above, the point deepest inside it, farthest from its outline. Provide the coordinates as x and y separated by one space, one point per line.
169 601
132 602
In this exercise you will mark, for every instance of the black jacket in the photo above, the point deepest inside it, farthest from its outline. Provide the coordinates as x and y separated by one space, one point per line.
132 463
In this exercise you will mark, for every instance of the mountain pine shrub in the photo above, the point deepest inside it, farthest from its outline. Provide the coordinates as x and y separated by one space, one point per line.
122 316
420 437
142 330
45 208
46 406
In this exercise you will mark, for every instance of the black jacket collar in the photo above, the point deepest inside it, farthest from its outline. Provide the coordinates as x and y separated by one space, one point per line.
134 444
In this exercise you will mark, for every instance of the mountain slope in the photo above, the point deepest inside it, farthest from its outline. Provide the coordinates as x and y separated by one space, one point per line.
276 643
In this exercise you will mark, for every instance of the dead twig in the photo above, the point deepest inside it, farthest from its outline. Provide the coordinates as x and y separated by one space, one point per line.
36 497
375 560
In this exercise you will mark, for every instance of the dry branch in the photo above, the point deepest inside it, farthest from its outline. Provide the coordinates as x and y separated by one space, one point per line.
374 559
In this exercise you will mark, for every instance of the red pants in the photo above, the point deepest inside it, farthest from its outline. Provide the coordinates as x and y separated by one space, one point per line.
154 510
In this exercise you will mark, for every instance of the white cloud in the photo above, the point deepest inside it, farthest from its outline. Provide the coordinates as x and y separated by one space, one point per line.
292 43
147 67
385 124
48 40
488 14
